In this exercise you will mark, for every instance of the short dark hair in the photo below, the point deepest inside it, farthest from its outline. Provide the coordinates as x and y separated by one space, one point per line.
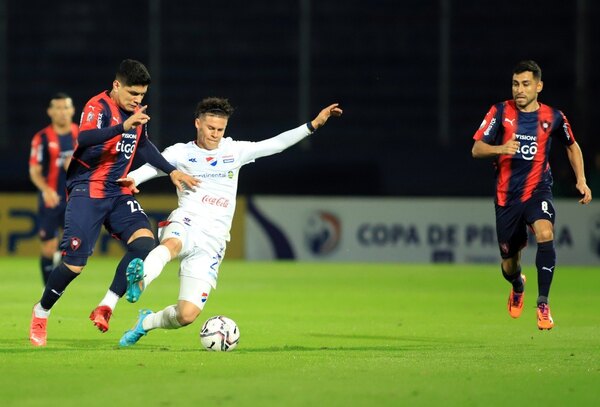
529 66
58 96
214 106
133 73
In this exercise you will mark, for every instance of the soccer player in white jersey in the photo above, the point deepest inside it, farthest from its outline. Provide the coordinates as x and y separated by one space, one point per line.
198 230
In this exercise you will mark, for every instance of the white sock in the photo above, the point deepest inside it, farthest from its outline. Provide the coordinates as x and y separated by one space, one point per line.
110 299
166 319
156 260
40 312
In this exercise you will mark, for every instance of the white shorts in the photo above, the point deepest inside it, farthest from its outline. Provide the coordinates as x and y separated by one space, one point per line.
194 290
201 254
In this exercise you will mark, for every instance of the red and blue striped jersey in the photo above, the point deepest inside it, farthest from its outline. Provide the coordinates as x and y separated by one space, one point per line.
50 150
95 167
528 171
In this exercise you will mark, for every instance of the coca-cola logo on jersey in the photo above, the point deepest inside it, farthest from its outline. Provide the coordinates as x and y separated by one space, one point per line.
216 201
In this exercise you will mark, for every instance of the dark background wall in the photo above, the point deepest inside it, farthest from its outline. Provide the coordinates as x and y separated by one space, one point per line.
383 60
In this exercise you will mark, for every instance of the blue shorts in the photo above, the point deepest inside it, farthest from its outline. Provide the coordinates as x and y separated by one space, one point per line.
50 220
512 222
121 216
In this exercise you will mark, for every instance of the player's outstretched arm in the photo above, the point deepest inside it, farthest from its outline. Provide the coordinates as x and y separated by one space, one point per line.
325 114
288 138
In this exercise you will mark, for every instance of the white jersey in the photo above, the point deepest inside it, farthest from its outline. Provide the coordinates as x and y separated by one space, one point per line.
212 204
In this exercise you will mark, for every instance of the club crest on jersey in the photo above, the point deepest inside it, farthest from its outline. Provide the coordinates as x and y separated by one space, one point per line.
75 243
212 161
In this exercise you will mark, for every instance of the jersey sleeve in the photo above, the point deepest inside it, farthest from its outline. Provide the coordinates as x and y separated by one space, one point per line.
148 171
37 150
489 128
249 151
562 130
94 127
93 116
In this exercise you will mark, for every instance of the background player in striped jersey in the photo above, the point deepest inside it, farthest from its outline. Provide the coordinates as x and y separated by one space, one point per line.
51 151
517 133
198 230
112 131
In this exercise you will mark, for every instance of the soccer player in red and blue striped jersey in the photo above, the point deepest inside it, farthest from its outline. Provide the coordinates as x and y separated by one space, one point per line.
112 131
51 151
518 133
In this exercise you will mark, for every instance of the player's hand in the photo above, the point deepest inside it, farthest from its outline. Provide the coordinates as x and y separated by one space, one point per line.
138 118
585 191
128 182
51 198
179 178
325 114
510 147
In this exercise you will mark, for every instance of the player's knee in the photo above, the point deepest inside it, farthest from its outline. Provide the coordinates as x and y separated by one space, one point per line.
141 246
71 267
174 246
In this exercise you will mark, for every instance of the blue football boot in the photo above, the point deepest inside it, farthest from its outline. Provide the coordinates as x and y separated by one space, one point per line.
135 280
131 337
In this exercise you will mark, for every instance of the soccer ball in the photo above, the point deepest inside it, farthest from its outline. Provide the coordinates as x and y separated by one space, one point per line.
219 334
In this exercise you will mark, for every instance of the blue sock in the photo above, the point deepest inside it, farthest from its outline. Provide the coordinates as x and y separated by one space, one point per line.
545 261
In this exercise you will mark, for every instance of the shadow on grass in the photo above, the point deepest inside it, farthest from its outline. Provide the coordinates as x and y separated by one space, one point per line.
23 345
385 343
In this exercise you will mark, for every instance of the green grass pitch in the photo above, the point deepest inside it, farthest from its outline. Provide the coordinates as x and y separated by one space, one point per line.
312 334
